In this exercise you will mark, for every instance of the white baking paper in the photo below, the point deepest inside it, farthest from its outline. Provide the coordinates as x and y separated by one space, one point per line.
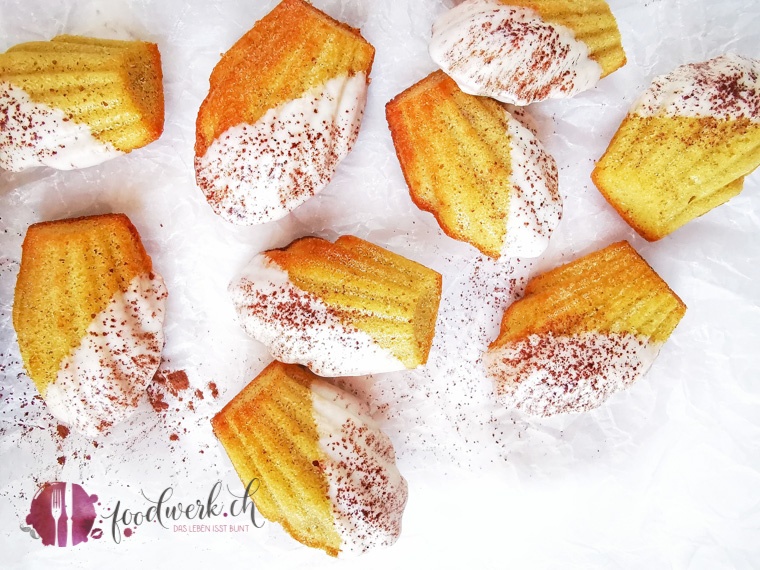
664 475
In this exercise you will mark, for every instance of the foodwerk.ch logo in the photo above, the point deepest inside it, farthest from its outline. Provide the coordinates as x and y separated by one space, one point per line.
63 514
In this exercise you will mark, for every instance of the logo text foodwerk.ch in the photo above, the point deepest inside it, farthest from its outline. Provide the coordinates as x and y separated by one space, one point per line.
63 514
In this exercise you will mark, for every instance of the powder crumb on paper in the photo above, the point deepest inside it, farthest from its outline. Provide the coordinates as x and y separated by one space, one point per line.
175 401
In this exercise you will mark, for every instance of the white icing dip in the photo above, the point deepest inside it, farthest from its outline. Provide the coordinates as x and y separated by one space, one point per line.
535 205
101 382
726 87
367 492
34 134
298 327
252 174
510 53
546 374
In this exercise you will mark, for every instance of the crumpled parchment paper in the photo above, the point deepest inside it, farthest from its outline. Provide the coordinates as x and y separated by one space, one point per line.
665 475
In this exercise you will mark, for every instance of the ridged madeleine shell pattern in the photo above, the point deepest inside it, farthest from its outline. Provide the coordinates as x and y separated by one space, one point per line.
456 153
660 172
591 21
392 299
612 290
113 87
70 271
269 433
280 431
293 49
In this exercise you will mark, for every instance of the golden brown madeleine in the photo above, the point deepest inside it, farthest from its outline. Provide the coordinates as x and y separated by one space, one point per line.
284 107
582 332
342 309
73 102
320 465
591 22
685 146
521 51
483 175
88 312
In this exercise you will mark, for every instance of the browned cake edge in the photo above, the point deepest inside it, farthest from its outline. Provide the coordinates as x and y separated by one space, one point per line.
405 149
623 247
201 144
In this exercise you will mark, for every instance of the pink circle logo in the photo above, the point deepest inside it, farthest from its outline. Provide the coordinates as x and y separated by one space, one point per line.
62 514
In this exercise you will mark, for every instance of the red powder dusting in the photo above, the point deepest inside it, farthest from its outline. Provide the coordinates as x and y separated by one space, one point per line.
177 381
174 381
166 382
299 164
174 400
63 431
214 390
62 460
508 36
157 401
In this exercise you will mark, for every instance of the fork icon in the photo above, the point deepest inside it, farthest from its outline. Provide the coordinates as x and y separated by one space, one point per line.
55 510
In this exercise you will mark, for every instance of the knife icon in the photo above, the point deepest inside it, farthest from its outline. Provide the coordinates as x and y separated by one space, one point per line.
69 498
